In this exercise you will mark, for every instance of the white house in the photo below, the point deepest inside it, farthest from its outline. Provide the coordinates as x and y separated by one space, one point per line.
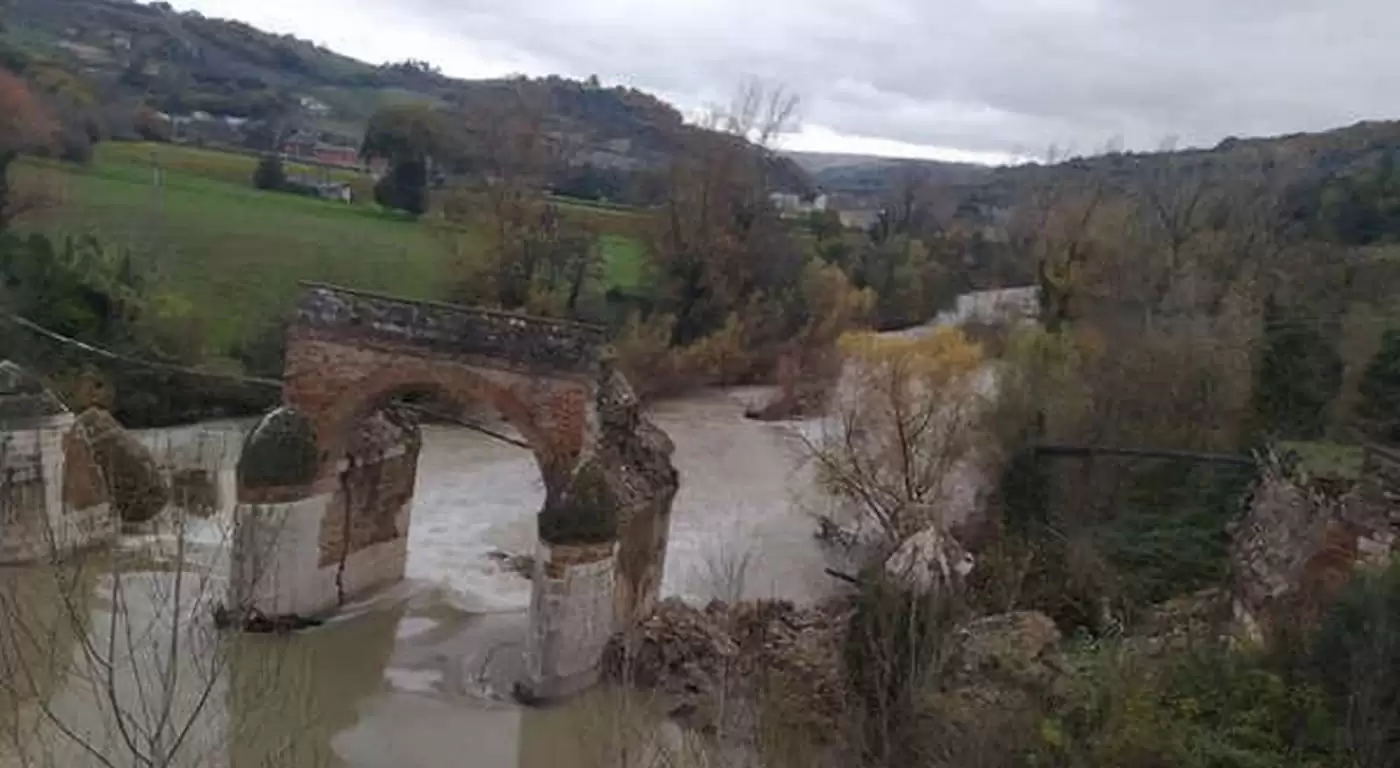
791 204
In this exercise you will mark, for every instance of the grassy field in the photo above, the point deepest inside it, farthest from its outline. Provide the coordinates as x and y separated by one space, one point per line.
580 204
625 258
1328 459
231 167
236 253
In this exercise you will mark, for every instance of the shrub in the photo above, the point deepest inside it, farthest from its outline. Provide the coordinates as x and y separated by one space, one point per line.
723 356
264 352
644 354
1357 656
79 288
1205 709
583 513
897 643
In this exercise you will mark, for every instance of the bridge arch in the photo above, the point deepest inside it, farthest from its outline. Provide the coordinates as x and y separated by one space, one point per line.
343 530
337 420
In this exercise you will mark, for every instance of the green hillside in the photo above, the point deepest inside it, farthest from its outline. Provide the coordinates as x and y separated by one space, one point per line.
236 254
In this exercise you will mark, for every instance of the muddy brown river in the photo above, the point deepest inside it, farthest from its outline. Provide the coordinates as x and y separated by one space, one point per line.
416 675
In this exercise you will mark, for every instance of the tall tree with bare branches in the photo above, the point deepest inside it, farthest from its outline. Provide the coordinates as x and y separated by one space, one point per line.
904 419
24 126
718 243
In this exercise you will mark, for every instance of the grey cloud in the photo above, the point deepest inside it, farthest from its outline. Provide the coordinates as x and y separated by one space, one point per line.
982 75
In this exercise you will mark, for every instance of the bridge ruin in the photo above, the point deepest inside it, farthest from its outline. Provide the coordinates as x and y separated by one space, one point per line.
326 481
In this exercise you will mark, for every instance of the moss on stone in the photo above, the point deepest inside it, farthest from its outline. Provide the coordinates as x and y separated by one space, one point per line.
280 452
586 512
134 481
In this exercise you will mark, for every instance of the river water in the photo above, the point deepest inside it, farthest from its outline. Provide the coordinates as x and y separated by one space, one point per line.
416 675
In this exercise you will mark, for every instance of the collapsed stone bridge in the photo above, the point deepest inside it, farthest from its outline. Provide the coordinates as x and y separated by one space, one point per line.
326 481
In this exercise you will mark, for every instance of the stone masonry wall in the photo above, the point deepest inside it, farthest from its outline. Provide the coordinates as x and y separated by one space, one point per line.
571 618
46 508
291 556
1380 496
369 505
445 331
1297 545
24 502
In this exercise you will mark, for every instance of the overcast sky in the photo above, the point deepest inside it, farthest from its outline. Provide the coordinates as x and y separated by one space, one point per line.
954 79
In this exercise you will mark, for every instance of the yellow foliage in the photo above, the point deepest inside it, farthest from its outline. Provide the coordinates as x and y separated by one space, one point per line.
835 304
1048 355
904 415
722 356
938 357
643 352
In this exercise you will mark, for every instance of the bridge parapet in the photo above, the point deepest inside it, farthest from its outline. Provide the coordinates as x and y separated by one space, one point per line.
451 331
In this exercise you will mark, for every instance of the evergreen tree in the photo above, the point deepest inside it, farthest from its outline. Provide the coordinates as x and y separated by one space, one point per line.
270 175
1299 375
1379 410
404 188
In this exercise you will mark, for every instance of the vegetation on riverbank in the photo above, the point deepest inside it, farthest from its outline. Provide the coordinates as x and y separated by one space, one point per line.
1107 618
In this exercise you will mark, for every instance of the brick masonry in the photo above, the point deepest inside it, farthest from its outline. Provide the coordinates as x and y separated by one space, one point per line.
306 547
338 384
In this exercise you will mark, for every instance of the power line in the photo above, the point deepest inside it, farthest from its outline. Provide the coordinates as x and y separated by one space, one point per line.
466 425
108 354
1047 449
120 358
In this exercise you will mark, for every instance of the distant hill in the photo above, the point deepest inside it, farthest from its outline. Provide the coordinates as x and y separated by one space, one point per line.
1342 183
1343 180
113 58
131 55
863 181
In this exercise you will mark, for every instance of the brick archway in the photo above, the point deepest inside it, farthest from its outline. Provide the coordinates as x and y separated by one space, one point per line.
336 404
340 506
348 351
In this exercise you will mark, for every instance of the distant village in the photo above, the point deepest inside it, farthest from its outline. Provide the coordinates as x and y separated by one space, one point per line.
791 205
324 150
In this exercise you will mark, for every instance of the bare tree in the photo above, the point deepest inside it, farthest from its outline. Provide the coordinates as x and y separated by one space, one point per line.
535 257
724 572
113 656
901 430
759 113
24 126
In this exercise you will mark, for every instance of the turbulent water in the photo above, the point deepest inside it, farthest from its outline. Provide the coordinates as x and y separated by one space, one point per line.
417 675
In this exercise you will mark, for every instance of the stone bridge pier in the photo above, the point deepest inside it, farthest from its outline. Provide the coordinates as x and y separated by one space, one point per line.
326 482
